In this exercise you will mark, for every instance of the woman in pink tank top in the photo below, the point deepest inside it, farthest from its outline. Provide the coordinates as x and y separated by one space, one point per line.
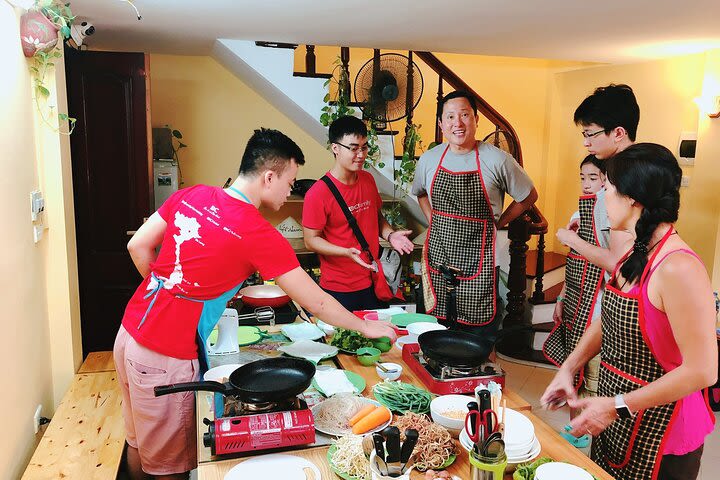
656 337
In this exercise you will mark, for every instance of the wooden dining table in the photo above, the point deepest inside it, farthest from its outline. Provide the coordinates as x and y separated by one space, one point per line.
552 444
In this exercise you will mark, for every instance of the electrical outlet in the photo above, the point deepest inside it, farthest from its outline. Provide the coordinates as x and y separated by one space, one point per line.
36 418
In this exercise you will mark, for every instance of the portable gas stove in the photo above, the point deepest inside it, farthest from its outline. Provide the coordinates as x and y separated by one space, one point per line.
261 427
444 379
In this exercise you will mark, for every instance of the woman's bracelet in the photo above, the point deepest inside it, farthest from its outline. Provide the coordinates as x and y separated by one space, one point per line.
388 237
560 298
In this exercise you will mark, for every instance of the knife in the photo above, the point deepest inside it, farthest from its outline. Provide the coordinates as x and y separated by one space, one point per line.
392 445
411 438
379 442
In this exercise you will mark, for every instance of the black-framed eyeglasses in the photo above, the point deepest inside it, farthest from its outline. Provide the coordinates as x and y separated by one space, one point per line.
593 134
356 148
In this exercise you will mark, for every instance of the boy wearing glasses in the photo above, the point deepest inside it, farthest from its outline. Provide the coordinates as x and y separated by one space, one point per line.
609 119
345 268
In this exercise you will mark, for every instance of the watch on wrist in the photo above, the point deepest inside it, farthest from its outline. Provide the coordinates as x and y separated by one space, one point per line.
621 407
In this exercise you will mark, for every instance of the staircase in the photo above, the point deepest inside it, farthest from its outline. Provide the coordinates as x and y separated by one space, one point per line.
268 68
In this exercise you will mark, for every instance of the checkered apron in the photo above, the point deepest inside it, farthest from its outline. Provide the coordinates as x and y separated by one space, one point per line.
629 449
462 235
583 283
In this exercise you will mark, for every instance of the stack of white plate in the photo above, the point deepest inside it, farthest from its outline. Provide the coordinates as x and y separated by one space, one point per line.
566 471
521 444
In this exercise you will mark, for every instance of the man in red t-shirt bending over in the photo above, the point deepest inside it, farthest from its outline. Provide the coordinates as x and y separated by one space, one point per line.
344 268
211 239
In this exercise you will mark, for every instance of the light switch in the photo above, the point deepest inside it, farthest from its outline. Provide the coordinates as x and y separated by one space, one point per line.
685 181
37 204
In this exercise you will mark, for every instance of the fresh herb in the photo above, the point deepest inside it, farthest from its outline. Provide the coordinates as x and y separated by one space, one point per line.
526 471
349 340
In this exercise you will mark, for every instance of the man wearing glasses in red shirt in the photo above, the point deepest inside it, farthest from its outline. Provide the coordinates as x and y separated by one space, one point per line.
345 267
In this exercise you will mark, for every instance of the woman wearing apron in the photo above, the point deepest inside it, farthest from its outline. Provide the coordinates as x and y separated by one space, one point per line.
656 337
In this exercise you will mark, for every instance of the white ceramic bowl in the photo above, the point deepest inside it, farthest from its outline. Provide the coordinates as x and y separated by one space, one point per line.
445 403
421 327
390 366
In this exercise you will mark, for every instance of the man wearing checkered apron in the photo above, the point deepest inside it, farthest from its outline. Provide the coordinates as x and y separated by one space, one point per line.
460 186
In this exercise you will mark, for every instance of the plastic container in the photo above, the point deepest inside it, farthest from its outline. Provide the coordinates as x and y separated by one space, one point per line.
487 468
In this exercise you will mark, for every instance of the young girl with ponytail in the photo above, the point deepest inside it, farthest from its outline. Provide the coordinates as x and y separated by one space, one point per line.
656 337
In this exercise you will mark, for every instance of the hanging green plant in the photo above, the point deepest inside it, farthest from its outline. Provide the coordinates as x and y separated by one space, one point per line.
42 60
404 174
337 104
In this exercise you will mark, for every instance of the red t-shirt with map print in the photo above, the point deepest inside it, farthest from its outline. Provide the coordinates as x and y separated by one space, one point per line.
212 243
322 212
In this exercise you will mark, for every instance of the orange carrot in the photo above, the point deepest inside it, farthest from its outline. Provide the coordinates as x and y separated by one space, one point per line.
361 413
374 419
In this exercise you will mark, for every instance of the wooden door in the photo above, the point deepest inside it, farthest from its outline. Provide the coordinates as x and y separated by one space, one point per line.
112 181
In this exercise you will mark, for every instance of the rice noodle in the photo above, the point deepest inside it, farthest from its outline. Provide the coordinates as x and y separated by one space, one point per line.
333 414
434 446
349 457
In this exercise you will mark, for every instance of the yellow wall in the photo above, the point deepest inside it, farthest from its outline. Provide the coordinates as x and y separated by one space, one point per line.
518 88
217 113
665 90
37 278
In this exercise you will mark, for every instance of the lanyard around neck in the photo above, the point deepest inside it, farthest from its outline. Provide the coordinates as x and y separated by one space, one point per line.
244 197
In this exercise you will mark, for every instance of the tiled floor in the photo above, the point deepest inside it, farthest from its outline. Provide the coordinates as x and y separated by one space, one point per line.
530 382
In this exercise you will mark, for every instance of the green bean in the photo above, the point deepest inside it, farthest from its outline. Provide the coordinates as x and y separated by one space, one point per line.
402 397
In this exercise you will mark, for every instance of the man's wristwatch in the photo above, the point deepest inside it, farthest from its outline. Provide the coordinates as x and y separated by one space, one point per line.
621 407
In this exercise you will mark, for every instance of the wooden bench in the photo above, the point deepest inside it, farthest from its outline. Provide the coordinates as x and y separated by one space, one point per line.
86 436
98 362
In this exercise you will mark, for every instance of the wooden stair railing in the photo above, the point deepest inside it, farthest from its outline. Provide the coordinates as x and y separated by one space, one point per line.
531 223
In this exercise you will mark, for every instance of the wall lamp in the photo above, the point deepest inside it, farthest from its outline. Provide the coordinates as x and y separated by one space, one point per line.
709 105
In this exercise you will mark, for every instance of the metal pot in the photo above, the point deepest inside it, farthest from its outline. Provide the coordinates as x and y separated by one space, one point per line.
263 296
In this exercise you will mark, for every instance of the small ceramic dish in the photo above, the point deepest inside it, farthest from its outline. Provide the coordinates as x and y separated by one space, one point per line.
368 355
394 373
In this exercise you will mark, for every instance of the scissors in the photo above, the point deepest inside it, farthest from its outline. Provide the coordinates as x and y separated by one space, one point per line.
482 425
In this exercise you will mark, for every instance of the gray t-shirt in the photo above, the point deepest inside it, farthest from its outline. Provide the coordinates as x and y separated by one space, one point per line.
500 172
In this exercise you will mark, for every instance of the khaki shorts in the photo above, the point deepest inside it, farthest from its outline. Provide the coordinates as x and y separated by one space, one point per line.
591 373
161 428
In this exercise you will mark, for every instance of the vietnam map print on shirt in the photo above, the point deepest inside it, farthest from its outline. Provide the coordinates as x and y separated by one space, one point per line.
189 229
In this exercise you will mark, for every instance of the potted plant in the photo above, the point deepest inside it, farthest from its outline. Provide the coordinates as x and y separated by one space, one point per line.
39 26
39 29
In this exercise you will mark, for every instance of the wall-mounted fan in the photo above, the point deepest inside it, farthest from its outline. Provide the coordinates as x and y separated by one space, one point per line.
502 140
385 88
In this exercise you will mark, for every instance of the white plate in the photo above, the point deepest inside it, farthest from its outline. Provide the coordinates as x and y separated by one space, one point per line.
302 331
221 372
313 351
532 452
405 339
340 433
566 471
277 465
519 430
